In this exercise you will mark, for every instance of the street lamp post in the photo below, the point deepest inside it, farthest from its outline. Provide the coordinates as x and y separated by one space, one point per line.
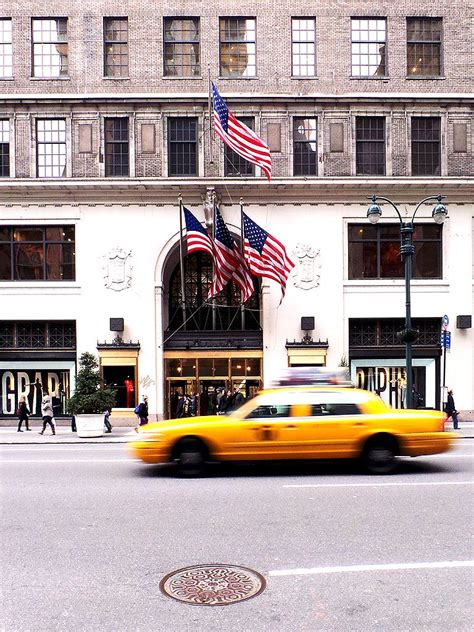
407 250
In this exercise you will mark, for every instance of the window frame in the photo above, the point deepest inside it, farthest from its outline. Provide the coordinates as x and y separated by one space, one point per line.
106 42
381 242
13 245
423 42
172 143
53 42
5 171
360 143
368 42
52 144
296 143
294 45
111 156
181 43
227 42
437 171
4 54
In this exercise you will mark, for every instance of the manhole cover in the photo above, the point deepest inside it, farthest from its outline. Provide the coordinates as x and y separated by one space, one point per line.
213 585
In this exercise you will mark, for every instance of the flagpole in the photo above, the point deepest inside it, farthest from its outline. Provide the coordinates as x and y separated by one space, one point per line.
181 260
242 308
213 229
211 155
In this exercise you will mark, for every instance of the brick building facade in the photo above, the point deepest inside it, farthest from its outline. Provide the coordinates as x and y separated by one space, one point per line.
98 99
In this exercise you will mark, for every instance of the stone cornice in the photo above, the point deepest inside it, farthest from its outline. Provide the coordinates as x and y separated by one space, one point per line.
165 191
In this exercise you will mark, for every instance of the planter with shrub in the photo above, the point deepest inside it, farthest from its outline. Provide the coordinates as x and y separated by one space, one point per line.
91 398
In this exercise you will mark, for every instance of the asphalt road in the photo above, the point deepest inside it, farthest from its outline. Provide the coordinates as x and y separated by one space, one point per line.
87 535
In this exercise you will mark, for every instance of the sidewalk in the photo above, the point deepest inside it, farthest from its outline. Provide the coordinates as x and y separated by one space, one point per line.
10 436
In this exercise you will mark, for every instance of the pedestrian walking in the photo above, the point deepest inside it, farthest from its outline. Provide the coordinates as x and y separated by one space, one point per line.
451 410
23 414
142 411
107 423
47 412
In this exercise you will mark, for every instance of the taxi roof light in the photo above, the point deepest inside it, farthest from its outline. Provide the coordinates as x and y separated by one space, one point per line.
313 376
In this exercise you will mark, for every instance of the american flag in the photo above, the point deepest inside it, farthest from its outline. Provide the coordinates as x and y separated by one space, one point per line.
196 235
265 255
239 137
229 264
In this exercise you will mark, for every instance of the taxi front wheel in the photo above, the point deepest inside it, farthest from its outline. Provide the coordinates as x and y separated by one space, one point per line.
379 456
190 457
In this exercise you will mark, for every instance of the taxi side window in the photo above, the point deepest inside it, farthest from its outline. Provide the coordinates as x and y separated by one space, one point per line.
322 410
270 412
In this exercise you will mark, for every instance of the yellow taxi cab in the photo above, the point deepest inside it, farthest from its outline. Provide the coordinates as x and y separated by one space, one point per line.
297 422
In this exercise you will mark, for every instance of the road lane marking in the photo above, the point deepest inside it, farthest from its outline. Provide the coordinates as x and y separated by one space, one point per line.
361 568
124 460
312 485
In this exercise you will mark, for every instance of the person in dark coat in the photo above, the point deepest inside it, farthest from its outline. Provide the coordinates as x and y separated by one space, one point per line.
143 411
451 410
107 423
23 414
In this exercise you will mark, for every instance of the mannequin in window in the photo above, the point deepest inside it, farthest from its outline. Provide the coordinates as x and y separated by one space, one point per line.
129 390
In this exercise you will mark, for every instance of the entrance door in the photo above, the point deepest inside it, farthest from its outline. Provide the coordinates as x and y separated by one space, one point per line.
208 391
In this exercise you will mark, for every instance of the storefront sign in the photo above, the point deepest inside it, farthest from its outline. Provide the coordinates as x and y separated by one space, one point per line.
33 383
388 382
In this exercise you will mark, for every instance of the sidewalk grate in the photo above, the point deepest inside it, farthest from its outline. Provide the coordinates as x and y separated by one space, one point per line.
213 584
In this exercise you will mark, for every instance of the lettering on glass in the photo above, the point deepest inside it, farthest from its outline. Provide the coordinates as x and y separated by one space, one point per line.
388 382
32 384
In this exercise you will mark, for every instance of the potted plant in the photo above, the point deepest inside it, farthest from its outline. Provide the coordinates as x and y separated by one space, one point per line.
91 398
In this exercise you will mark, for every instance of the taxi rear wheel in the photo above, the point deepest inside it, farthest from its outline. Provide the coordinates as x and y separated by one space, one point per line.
379 456
190 456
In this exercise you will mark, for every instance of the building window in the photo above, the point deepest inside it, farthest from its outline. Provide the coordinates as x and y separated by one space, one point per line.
370 145
369 47
116 147
37 335
37 253
237 47
305 147
234 164
374 251
424 47
182 56
426 146
384 332
303 47
227 314
116 47
50 49
51 148
4 149
6 49
182 147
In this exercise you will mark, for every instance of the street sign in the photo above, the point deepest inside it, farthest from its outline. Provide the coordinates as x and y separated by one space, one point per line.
446 339
445 322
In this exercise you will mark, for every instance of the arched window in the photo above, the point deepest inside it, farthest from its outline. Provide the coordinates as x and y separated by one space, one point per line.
222 313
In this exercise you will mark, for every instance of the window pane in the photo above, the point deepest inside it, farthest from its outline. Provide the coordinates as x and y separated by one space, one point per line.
182 147
5 262
237 47
51 148
29 262
370 145
426 146
181 47
50 48
116 147
305 149
368 48
362 260
6 49
424 47
116 47
391 265
303 47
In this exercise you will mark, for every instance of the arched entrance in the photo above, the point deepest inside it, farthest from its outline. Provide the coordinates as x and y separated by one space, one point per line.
211 344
